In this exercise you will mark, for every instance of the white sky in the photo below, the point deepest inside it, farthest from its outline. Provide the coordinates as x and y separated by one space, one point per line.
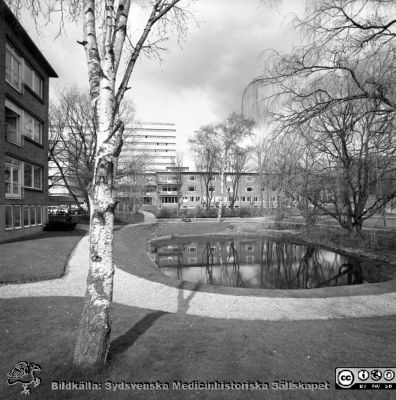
198 83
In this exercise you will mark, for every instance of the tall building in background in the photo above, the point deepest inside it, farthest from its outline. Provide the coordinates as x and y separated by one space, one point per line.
154 141
24 83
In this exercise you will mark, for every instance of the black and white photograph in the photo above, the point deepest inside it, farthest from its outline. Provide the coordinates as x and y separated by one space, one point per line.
197 199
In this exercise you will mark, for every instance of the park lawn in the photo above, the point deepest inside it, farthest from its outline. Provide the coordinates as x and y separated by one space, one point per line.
38 257
150 346
131 247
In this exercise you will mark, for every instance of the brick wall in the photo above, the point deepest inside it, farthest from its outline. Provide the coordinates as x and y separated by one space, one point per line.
28 101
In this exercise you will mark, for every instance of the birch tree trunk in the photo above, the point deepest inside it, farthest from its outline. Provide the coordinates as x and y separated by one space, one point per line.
94 332
221 194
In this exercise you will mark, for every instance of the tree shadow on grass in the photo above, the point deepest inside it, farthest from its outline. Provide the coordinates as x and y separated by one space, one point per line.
184 303
127 340
122 343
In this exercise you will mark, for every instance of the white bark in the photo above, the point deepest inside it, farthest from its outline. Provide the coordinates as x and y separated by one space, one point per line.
94 332
221 194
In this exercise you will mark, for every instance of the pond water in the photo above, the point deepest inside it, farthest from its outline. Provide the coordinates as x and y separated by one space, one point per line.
258 263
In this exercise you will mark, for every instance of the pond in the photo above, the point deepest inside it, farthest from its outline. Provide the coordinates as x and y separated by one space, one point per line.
259 263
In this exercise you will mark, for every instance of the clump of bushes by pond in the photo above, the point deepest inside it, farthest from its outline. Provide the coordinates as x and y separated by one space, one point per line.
201 212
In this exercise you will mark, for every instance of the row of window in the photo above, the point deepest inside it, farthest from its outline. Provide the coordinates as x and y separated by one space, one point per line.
17 216
213 178
168 188
19 122
191 198
193 260
248 198
18 71
147 143
169 200
243 198
18 174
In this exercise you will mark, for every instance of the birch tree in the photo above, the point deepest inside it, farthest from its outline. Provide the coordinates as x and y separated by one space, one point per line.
107 44
239 164
178 171
205 148
229 134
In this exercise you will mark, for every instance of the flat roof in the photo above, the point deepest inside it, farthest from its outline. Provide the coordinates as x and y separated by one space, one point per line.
10 18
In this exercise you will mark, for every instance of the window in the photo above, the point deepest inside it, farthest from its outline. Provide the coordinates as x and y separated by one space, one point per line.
249 179
191 199
33 80
38 177
249 248
28 175
39 215
192 178
32 215
192 260
191 188
249 259
17 217
249 189
169 199
243 198
249 199
32 128
45 211
192 250
32 176
26 215
13 122
197 198
13 68
8 217
212 188
255 198
169 189
12 177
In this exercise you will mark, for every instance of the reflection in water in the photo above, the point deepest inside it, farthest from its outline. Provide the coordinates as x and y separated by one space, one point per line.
255 263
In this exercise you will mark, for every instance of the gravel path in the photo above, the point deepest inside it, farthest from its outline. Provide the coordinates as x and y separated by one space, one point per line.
134 291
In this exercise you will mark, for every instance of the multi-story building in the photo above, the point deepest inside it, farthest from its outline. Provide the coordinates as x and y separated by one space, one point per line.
185 189
155 141
24 87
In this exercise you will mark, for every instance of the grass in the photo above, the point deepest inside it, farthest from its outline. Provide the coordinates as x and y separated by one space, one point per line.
156 346
129 243
150 346
38 257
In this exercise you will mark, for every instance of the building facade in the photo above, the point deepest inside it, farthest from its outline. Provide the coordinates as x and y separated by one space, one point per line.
153 141
186 190
24 88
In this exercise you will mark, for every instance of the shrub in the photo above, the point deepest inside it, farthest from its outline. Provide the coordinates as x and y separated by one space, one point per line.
245 212
167 213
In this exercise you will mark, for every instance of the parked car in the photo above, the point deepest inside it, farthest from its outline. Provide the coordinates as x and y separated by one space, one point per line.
59 222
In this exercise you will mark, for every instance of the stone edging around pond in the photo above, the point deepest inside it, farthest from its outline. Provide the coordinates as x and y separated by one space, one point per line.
335 291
